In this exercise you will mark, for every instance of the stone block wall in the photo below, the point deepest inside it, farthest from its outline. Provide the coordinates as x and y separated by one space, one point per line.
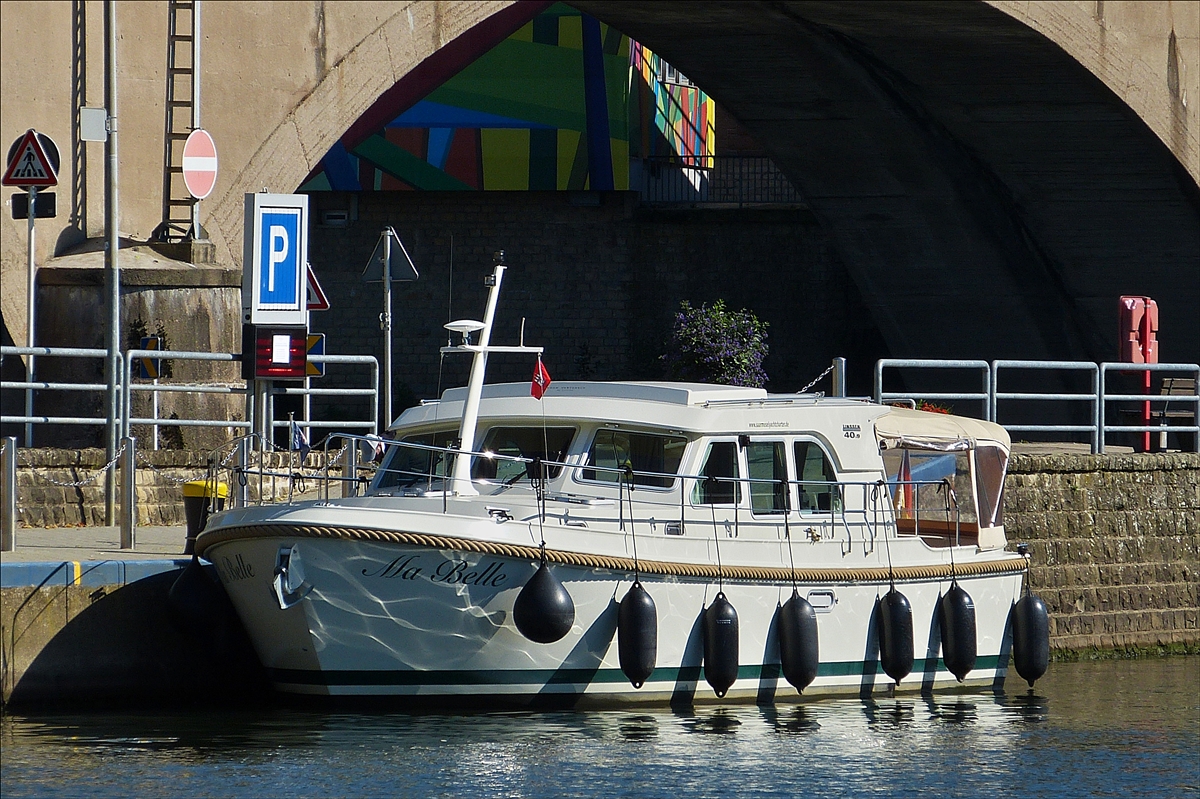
1115 546
595 277
48 494
65 488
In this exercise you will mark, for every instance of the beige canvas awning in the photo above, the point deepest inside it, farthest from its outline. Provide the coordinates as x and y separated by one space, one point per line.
906 428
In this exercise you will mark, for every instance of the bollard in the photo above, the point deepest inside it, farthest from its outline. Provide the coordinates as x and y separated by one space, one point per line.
241 488
197 495
8 522
350 469
128 518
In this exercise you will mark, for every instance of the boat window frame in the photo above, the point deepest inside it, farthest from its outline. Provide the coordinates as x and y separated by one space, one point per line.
396 445
578 470
836 489
788 471
703 448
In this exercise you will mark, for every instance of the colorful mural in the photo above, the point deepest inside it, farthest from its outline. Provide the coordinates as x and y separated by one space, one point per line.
549 108
674 118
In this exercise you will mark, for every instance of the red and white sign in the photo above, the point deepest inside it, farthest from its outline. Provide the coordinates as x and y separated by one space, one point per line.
199 163
314 296
29 166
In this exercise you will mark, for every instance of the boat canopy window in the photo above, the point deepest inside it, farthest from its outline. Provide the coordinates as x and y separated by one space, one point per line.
643 452
814 471
549 443
990 465
405 466
721 460
917 479
767 460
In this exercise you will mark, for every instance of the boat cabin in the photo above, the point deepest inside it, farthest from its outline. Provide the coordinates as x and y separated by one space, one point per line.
709 449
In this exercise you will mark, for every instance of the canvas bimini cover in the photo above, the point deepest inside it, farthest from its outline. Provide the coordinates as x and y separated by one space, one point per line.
986 445
904 428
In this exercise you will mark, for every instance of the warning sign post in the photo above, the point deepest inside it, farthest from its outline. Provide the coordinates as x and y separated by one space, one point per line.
32 164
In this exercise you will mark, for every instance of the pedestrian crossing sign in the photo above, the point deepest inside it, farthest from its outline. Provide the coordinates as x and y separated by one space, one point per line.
28 164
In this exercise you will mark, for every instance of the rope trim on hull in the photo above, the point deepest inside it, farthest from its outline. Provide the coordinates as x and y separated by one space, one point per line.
938 571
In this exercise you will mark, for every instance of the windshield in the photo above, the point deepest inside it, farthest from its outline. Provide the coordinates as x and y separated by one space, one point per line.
643 452
406 467
547 443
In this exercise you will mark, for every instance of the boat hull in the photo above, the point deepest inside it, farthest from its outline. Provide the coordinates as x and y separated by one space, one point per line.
434 622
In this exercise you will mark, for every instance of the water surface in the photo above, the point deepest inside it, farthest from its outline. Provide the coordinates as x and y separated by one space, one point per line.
1109 728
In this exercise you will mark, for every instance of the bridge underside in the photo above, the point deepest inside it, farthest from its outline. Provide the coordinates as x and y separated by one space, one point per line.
988 194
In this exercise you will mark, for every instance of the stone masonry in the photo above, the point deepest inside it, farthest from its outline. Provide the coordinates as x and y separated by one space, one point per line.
1115 546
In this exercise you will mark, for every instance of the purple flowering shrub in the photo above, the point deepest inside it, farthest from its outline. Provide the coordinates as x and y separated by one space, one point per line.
712 344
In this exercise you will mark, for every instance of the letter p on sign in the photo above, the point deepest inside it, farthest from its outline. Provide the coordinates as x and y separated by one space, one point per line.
278 252
280 278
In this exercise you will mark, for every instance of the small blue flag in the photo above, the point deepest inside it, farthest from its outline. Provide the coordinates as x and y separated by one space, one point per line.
299 440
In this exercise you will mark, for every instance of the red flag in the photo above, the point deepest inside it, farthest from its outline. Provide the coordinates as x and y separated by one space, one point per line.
541 380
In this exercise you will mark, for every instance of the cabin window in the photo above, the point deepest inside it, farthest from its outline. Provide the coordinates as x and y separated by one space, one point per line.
721 461
643 452
815 473
406 466
767 461
990 465
550 443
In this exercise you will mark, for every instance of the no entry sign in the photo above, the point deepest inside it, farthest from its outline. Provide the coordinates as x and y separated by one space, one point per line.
199 164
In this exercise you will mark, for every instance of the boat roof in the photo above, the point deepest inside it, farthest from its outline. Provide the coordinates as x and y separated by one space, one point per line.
681 406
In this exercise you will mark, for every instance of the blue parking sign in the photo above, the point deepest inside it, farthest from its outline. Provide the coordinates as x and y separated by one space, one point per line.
279 264
275 260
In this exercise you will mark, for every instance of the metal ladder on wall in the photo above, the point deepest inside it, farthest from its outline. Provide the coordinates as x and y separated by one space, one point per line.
182 115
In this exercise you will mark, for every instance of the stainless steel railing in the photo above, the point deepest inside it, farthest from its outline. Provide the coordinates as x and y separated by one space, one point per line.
1097 400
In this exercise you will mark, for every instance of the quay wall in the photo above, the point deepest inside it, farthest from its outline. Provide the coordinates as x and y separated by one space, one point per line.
1115 547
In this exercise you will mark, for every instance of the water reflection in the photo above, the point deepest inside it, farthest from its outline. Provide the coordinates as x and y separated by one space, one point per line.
794 720
1061 740
722 721
639 728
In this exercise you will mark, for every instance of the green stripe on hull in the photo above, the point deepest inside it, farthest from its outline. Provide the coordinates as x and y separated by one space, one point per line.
575 676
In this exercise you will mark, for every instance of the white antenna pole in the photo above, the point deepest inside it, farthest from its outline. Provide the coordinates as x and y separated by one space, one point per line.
386 323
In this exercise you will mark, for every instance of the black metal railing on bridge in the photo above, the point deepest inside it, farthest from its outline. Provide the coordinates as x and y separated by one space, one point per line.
724 179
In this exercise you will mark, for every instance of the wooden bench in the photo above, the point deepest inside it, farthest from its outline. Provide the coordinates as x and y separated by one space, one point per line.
1184 412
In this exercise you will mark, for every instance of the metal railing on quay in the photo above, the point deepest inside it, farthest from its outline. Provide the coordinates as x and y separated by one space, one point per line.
984 395
1098 399
307 391
1152 399
1092 398
127 419
29 386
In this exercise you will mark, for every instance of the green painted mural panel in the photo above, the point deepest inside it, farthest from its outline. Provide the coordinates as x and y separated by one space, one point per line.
406 166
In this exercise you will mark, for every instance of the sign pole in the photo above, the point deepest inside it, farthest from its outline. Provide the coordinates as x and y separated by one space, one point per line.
196 103
30 315
113 272
386 318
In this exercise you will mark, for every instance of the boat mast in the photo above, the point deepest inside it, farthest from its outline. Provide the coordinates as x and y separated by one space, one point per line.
461 475
461 478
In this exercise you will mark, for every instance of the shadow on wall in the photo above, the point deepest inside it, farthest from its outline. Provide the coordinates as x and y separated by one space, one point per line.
123 650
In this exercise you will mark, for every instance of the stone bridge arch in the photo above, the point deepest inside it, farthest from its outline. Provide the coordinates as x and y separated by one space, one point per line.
967 212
